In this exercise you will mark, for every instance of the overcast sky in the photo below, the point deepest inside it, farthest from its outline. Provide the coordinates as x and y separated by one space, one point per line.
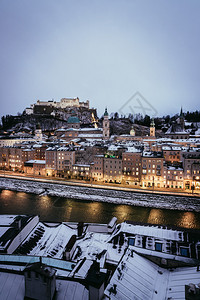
104 51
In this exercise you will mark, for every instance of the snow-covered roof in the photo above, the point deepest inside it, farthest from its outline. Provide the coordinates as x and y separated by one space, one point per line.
172 148
6 220
36 161
13 287
37 146
52 240
197 132
61 129
74 140
176 129
27 150
188 123
8 226
174 168
152 154
81 269
138 278
81 165
63 148
151 231
90 129
93 244
90 135
71 129
133 149
113 148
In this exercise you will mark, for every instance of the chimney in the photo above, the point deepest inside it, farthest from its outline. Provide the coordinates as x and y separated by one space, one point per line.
95 280
40 281
80 228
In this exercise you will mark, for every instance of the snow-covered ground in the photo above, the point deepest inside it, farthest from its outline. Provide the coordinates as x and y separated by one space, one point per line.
103 195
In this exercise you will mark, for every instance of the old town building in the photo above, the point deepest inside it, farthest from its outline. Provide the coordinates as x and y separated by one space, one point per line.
152 169
173 177
131 166
191 165
112 169
97 171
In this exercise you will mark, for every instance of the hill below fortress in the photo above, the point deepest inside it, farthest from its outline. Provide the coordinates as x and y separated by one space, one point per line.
49 123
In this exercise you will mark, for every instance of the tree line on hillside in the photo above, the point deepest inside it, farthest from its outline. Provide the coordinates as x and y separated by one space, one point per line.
159 121
10 121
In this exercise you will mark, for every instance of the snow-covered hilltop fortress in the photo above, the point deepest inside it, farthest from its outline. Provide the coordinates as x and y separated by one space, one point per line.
63 103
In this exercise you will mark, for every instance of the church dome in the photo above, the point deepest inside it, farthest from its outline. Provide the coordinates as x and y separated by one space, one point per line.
72 120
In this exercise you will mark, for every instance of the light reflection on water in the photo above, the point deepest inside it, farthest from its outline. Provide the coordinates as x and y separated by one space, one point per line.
58 209
94 209
187 220
7 194
122 212
156 216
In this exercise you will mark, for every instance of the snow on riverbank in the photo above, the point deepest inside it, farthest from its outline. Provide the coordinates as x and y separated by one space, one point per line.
102 195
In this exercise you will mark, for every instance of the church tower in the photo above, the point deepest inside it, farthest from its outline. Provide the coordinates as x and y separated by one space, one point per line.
38 133
181 119
152 128
132 131
106 125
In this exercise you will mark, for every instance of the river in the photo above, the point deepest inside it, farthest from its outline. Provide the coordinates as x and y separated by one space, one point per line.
57 209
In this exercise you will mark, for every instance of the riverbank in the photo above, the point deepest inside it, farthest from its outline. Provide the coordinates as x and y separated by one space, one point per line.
100 185
98 193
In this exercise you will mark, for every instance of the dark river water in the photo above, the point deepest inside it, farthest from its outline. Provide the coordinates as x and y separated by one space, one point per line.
61 209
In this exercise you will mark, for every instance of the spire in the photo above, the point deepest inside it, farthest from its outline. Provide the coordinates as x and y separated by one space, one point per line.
181 113
106 112
152 123
152 128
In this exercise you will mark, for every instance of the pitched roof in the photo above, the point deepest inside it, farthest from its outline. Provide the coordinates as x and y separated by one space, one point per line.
138 278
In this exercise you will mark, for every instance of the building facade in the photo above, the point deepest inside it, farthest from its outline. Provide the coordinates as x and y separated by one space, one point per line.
152 169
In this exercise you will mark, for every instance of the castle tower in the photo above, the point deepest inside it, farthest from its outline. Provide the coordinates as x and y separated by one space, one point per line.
106 125
152 128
